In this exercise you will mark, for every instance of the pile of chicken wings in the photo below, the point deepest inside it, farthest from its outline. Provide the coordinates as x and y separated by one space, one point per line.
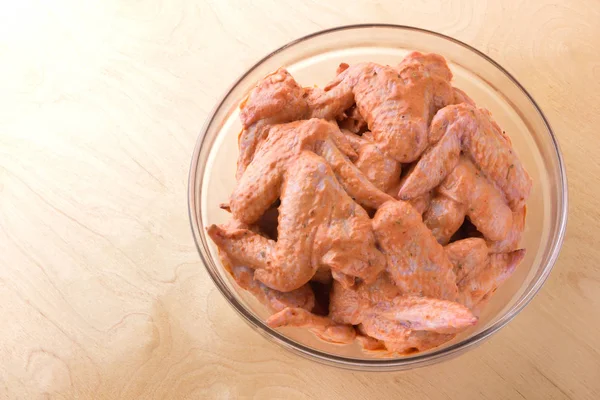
385 208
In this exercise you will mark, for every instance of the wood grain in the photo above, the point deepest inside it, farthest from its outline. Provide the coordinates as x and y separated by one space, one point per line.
102 294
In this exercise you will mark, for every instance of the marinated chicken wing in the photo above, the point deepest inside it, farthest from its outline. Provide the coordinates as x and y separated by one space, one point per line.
480 273
485 205
444 217
465 192
261 183
431 169
302 297
382 171
469 257
397 338
397 103
323 327
418 341
426 314
278 98
384 314
462 126
383 300
242 246
318 225
356 184
409 343
348 304
416 262
477 287
511 241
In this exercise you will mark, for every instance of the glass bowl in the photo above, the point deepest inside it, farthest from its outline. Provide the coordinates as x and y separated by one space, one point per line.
312 60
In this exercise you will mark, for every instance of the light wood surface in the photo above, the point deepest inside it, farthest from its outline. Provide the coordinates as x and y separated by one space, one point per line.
102 294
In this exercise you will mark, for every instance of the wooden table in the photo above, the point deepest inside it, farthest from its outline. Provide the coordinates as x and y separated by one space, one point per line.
102 294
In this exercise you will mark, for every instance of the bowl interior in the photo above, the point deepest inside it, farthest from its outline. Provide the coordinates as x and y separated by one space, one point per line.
313 61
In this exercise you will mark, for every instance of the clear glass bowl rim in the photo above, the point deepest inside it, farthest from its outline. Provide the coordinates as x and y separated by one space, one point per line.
417 360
